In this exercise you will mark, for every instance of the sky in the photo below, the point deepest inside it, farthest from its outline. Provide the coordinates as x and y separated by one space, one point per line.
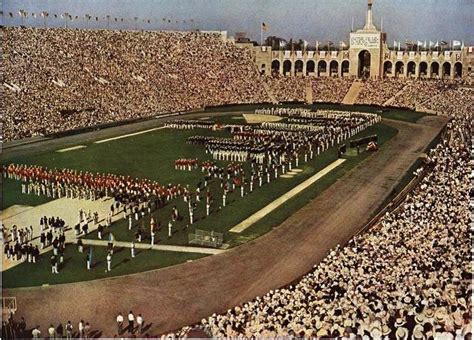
310 20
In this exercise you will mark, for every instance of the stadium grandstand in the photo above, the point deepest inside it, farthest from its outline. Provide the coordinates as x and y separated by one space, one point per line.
292 229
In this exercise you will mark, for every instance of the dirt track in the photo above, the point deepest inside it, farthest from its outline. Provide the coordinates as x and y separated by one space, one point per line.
175 296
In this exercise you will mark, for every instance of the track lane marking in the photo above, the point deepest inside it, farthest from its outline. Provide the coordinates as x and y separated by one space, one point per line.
285 197
128 135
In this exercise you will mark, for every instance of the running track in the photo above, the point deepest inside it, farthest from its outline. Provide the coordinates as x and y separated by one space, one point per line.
172 297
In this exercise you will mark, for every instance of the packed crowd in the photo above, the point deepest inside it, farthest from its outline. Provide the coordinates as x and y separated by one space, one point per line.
453 100
416 92
413 94
409 277
288 89
376 92
330 90
61 79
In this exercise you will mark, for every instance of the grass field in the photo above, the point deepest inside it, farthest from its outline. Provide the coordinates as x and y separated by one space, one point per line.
74 267
390 113
151 155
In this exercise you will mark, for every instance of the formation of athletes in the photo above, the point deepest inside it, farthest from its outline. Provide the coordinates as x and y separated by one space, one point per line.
250 157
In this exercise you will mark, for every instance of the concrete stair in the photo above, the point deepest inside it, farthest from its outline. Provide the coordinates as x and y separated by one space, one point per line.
270 93
391 100
353 93
308 92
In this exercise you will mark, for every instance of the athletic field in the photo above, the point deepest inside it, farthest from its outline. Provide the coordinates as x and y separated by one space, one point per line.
151 153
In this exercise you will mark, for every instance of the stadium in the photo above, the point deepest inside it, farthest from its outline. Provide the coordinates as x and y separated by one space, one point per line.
186 183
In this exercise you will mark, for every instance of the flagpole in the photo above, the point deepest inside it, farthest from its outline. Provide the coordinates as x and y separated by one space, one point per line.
261 34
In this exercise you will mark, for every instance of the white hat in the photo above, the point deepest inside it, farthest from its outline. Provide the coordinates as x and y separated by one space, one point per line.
419 318
401 333
399 322
417 333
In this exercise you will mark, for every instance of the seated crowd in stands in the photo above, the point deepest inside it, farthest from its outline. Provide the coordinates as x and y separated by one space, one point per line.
409 277
60 79
288 89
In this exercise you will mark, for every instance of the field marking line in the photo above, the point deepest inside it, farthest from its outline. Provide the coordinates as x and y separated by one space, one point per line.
162 247
128 135
285 197
71 148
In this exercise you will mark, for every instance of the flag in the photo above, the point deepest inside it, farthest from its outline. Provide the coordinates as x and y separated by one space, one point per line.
317 45
431 43
399 45
443 42
330 43
419 43
456 43
395 44
305 44
436 45
264 27
282 43
342 44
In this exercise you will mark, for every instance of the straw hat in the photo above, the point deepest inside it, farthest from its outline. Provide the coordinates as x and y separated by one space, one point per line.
419 318
417 334
386 330
429 313
399 322
401 333
440 316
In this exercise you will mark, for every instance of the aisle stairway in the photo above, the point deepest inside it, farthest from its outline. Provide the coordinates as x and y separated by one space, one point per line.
270 93
309 92
391 100
353 93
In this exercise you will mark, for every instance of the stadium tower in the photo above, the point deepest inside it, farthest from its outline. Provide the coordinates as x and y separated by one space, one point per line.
366 48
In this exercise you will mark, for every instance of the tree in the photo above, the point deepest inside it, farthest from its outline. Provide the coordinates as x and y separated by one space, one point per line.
275 42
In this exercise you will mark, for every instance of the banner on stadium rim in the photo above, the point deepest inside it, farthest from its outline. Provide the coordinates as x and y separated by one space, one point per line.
287 54
299 54
447 54
435 55
322 54
400 55
310 54
423 55
333 54
411 55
